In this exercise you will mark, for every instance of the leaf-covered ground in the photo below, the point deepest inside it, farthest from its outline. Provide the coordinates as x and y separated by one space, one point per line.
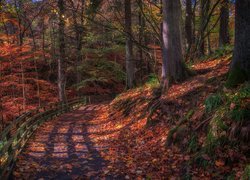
125 139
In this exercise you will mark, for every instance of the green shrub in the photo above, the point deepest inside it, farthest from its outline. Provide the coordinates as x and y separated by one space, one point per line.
152 80
240 114
222 51
193 143
100 71
213 102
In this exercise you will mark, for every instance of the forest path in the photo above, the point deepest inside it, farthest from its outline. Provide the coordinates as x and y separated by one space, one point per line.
68 147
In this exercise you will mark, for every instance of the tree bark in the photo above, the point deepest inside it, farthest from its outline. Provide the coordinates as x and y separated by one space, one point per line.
203 25
173 68
61 59
188 24
78 28
240 66
130 63
224 21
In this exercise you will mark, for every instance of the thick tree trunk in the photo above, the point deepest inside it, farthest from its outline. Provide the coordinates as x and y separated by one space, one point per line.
173 68
188 24
61 59
224 20
240 66
130 63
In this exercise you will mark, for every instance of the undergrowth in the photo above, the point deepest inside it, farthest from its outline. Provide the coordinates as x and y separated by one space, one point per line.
220 52
230 113
99 73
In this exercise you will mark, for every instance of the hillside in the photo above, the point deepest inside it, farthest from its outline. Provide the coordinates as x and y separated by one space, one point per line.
169 136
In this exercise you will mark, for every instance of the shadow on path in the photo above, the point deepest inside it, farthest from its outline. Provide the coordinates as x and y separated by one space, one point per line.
63 149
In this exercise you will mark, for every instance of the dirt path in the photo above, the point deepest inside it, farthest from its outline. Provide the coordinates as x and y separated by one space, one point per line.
67 147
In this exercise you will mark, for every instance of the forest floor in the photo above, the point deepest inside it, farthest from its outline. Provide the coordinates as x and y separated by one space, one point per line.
123 139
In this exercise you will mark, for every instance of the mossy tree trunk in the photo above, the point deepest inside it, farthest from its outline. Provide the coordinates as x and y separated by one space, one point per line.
240 66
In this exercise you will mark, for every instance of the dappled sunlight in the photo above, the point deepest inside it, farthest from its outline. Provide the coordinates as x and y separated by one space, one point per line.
80 147
77 138
37 147
63 129
60 147
36 154
60 155
67 138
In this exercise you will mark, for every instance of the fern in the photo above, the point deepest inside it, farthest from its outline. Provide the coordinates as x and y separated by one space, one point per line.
212 102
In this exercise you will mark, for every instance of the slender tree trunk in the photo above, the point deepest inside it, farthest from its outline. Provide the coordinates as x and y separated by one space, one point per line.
43 39
61 59
141 35
240 66
209 48
193 19
173 68
78 27
188 24
203 11
36 69
18 8
52 50
23 87
224 24
130 63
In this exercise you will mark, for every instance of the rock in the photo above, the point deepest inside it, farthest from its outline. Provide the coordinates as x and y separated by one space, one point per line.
139 172
127 177
232 106
106 172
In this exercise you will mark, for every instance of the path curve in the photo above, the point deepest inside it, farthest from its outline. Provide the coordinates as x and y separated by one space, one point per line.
66 148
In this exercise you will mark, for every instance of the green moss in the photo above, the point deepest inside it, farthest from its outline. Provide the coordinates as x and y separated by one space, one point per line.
236 76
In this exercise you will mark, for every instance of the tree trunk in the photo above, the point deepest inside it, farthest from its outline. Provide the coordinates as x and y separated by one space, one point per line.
130 63
224 20
78 27
61 59
203 25
240 66
141 21
173 68
188 24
